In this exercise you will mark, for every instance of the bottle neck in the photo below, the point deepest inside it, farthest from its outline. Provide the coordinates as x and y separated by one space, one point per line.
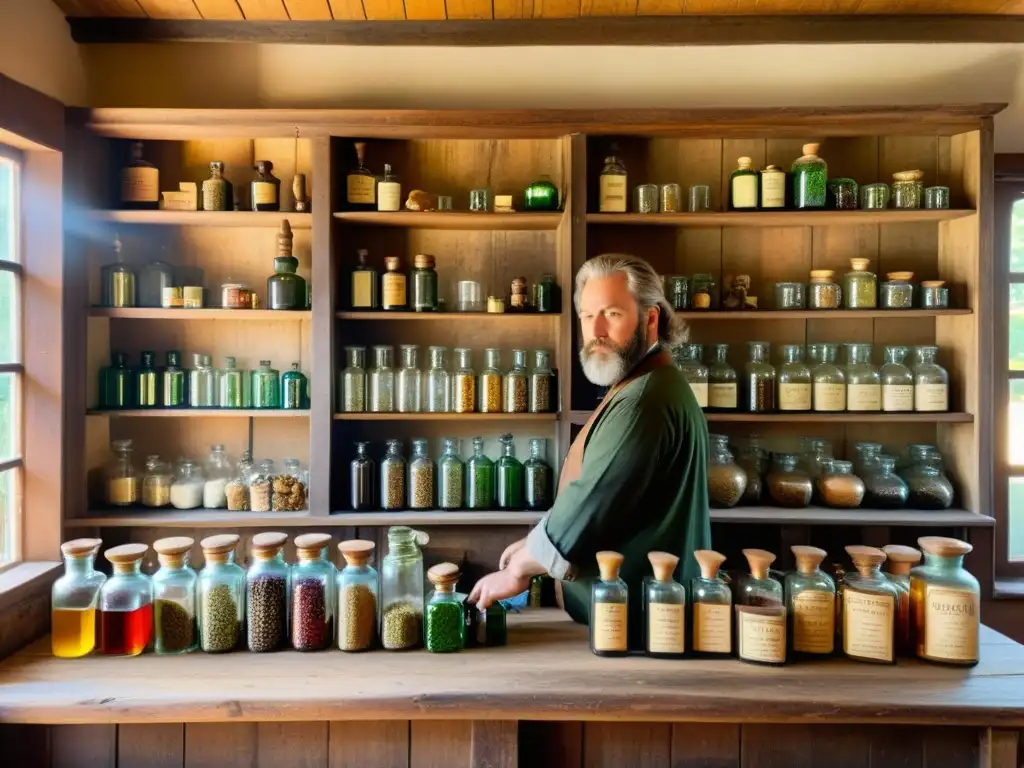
895 355
926 356
444 589
508 449
402 548
758 354
436 359
128 569
79 565
720 355
478 449
871 572
945 562
858 355
792 355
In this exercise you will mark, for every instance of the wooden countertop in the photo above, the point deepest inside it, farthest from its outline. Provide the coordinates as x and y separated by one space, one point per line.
546 673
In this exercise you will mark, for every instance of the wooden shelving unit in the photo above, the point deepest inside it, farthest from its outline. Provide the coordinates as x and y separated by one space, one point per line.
204 413
777 219
456 220
205 218
215 313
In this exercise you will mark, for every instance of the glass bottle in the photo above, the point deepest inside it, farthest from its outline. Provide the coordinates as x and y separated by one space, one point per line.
823 292
353 381
232 391
931 382
174 597
811 604
126 603
409 381
294 389
312 598
261 486
401 590
664 609
393 286
788 485
773 188
864 457
285 288
897 381
539 481
509 474
392 477
201 390
869 602
899 561
712 607
266 594
360 183
153 278
753 459
439 385
451 476
73 600
541 195
117 282
828 380
140 182
946 603
794 380
860 287
758 379
704 291
688 361
609 608
221 595
389 192
817 461
187 488
361 478
515 385
217 190
145 383
265 189
173 381
479 478
928 487
722 395
365 289
122 480
840 488
444 626
883 488
863 383
613 190
743 186
421 476
760 613
543 389
677 291
156 483
357 597
116 383
464 382
809 176
237 490
424 284
219 469
266 386
490 382
727 481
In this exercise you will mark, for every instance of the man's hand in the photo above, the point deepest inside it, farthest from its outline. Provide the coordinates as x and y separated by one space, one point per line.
498 586
510 550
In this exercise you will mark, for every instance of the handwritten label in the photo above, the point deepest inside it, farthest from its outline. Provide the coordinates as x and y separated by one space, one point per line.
609 626
666 628
712 628
869 625
951 622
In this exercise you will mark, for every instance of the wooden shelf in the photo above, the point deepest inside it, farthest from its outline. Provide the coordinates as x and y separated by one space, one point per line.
454 220
207 218
195 413
213 518
826 516
779 219
580 417
214 313
823 314
449 316
510 417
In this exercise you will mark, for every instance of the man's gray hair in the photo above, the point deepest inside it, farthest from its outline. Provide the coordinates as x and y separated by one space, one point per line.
644 285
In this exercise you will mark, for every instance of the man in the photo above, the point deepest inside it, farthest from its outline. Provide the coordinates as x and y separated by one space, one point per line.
635 478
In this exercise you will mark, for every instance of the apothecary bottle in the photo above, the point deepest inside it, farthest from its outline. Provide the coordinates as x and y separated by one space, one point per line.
810 604
515 384
794 380
409 381
788 485
760 613
869 603
156 483
490 382
897 381
365 283
464 382
360 183
898 564
543 394
743 186
173 383
266 594
389 191
145 387
285 288
946 601
382 381
401 590
727 481
358 593
393 477
479 478
444 626
883 488
140 181
353 381
117 282
126 603
753 459
394 291
809 176
863 383
609 608
839 487
827 379
294 389
424 283
232 388
928 486
722 379
266 386
688 361
931 382
74 599
221 595
122 479
202 392
773 188
237 489
613 190
712 607
421 476
451 477
174 597
438 396
539 484
312 596
265 189
664 609
758 379
116 383
508 472
860 286
217 190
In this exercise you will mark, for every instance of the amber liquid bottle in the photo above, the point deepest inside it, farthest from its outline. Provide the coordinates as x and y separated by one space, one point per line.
869 608
946 603
900 560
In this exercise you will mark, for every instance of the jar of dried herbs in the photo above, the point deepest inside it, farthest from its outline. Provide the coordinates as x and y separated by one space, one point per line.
490 382
290 488
401 589
788 486
897 292
479 478
451 476
421 476
907 189
824 292
860 286
515 385
727 481
392 477
353 381
221 595
266 594
174 597
809 175
543 394
842 194
539 487
357 597
444 629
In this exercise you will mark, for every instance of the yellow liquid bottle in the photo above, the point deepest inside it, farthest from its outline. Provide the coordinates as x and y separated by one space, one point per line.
74 597
945 601
73 632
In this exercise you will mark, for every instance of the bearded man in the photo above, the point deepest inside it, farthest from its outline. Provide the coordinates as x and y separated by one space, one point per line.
635 478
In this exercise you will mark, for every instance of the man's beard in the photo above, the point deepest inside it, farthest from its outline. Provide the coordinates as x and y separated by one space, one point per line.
609 366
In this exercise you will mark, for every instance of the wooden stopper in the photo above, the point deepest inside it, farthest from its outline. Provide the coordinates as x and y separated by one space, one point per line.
284 239
908 175
308 546
860 265
932 283
811 149
266 545
126 554
865 558
81 547
944 546
172 550
904 276
709 562
807 558
609 562
217 548
664 564
900 559
744 162
357 551
444 574
760 561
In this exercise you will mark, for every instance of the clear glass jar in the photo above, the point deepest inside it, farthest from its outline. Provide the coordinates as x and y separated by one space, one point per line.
444 626
266 594
410 381
727 481
73 600
842 194
840 488
172 382
464 382
753 459
946 601
401 589
357 597
898 564
907 189
490 382
758 379
664 609
688 359
543 392
312 596
897 292
439 384
869 605
174 597
810 604
931 382
353 381
221 595
515 386
823 292
187 488
789 486
761 613
609 608
809 175
392 477
863 383
479 478
361 479
156 483
703 297
266 386
232 386
202 391
153 278
827 379
817 462
790 296
897 381
874 196
382 380
261 485
883 488
421 476
865 455
236 491
722 380
936 197
678 292
126 603
122 479
290 489
711 599
794 380
539 482
928 487
424 283
508 472
860 287
934 295
451 487
220 468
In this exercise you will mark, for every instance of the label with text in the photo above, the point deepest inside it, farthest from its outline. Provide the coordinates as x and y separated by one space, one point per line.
712 629
931 397
897 397
361 190
666 628
393 290
744 191
389 196
140 185
264 193
863 397
609 626
722 395
794 397
951 624
829 397
773 190
869 625
700 392
762 636
814 622
612 198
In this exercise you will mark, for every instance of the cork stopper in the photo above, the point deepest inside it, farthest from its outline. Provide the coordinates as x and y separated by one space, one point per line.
908 175
822 275
81 547
811 149
759 560
171 551
865 559
444 575
357 551
609 563
944 546
900 559
392 263
124 557
902 277
860 265
284 239
709 562
932 283
664 565
266 545
807 558
745 163
308 546
216 549
423 261
360 150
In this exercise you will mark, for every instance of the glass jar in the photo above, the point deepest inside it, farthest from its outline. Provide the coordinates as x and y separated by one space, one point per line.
946 603
543 393
313 580
711 599
727 481
934 295
863 382
936 197
645 198
172 382
424 284
221 595
444 626
700 198
294 389
869 604
810 604
703 297
898 564
382 380
490 382
156 483
357 597
231 385
392 477
794 380
722 378
874 196
840 488
664 609
464 382
609 608
439 386
897 292
860 287
401 588
754 461
931 382
758 379
808 176
539 481
265 189
220 468
188 485
928 487
202 391
547 294
687 358
290 489
790 296
409 381
671 198
907 189
361 479
126 603
827 379
73 600
864 457
266 594
122 481
772 188
144 383
817 462
117 282
509 475
451 476
823 291
266 386
471 297
897 381
743 186
174 597
236 492
479 478
842 194
761 613
116 383
285 288
541 195
883 488
261 486
353 381
515 386
678 292
421 476
153 278
789 486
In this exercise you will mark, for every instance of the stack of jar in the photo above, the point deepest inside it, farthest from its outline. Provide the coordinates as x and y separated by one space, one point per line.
451 484
860 289
146 386
383 390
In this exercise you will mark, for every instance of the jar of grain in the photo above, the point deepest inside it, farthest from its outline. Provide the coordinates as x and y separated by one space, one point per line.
421 476
789 486
221 595
907 189
236 492
156 483
543 394
401 588
313 581
392 477
464 382
187 489
861 285
727 481
840 488
357 597
266 594
824 292
515 385
490 382
122 478
261 486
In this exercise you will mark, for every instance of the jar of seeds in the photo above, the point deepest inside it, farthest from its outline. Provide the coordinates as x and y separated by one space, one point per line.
790 296
727 481
156 483
490 382
353 381
515 386
421 477
313 580
788 486
671 200
289 488
401 589
543 398
645 198
392 477
221 595
174 597
897 292
261 487
464 382
936 197
883 488
860 285
824 292
439 384
444 628
840 488
842 194
357 597
907 189
237 489
266 594
539 486
451 477
874 196
382 380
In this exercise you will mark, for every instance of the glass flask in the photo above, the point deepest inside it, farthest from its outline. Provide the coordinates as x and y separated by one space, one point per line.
201 390
360 183
266 386
285 288
73 600
863 382
261 484
753 459
810 604
760 613
664 609
758 379
126 603
809 176
464 382
609 608
232 386
840 488
409 382
361 480
312 598
117 282
712 607
451 476
828 380
490 382
156 483
727 481
116 383
898 564
883 488
392 477
722 394
860 287
789 486
237 490
946 603
541 195
743 186
612 186
794 380
353 381
539 481
931 382
869 602
444 625
265 189
173 382
266 594
864 457
688 361
294 389
187 488
357 597
382 381
174 597
479 478
221 595
439 385
401 590
543 392
424 283
509 475
153 278
515 385
122 479
421 477
897 381
145 383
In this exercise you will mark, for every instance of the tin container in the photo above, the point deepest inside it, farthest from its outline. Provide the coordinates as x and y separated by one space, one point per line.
235 296
172 297
193 296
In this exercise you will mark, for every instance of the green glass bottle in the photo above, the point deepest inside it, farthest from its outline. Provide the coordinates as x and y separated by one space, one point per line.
542 195
294 389
231 389
509 472
266 387
539 492
145 383
116 383
809 176
172 382
285 289
479 478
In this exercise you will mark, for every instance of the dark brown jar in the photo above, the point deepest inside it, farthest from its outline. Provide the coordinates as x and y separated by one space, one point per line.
788 486
726 480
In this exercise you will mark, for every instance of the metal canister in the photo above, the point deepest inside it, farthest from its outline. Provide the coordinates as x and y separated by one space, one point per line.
193 296
235 296
122 288
172 297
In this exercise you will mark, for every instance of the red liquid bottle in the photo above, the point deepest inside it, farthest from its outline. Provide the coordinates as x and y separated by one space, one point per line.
126 633
126 603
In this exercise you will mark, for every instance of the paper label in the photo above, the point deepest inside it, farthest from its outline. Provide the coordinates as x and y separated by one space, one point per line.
700 392
794 397
829 397
951 624
666 628
393 284
897 397
389 196
140 185
362 289
931 397
863 397
612 198
744 191
361 189
773 190
814 622
762 637
264 193
868 625
722 395
609 626
712 630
